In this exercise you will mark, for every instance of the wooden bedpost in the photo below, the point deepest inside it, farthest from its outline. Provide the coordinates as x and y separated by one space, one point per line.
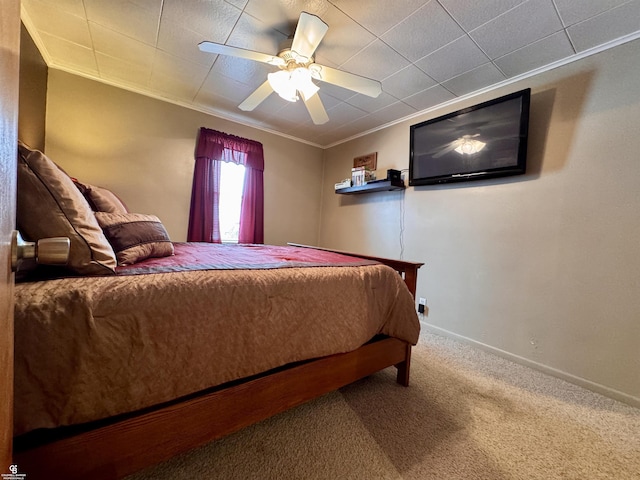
404 368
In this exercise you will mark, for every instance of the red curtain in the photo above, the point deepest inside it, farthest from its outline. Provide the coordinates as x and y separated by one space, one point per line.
213 148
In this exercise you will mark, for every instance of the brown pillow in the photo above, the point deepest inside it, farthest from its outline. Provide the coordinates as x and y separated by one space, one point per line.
135 236
49 205
101 199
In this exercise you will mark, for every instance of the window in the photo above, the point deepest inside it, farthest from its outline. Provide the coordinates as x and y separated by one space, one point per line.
213 151
231 186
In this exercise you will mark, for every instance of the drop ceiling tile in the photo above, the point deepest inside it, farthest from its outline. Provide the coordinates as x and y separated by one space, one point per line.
407 82
304 131
470 14
543 52
225 87
217 104
126 17
186 76
335 91
177 89
378 16
362 124
238 3
344 113
527 23
475 79
574 11
245 71
292 113
393 112
329 101
466 53
117 45
423 32
182 42
367 62
369 105
133 74
284 14
213 19
70 27
340 45
429 98
70 55
253 34
74 7
612 24
270 106
318 58
346 130
326 138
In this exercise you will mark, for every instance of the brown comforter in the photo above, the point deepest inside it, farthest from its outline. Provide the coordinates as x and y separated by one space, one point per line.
91 348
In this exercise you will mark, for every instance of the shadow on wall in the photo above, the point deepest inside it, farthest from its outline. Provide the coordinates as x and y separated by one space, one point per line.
561 104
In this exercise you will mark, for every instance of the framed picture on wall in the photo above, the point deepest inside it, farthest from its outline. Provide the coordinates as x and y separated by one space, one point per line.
369 161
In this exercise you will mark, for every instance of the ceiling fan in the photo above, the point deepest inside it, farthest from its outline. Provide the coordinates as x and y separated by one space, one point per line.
297 70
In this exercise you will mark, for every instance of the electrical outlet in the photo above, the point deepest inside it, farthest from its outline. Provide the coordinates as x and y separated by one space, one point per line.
422 302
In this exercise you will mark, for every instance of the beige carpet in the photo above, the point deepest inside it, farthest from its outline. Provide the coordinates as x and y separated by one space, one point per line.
466 415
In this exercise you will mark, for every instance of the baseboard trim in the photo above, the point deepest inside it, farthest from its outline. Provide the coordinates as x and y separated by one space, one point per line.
582 382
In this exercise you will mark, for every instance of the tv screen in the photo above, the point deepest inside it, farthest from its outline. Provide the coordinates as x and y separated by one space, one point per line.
483 141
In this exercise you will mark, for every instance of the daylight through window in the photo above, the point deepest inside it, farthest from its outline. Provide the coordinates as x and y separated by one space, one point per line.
231 186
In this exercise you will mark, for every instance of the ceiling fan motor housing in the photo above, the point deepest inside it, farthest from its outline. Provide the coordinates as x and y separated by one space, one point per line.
292 59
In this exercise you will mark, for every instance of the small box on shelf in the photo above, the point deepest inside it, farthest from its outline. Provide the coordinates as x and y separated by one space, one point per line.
361 175
346 183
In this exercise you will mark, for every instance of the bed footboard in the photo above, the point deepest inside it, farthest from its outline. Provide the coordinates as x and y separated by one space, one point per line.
408 270
127 445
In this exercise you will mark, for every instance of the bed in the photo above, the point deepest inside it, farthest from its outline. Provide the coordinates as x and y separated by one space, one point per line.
143 350
83 432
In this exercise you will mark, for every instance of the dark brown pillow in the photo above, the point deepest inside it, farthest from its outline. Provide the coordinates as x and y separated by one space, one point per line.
135 236
101 199
49 205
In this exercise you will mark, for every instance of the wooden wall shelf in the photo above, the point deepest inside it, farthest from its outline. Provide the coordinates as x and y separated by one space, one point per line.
376 186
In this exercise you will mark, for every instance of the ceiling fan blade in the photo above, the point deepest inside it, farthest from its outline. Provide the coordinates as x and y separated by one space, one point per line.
308 35
366 86
257 97
221 49
316 109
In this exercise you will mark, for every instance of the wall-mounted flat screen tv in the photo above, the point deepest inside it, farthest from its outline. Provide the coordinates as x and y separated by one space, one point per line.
483 141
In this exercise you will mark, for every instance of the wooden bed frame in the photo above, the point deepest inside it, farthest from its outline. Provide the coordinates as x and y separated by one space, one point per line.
114 448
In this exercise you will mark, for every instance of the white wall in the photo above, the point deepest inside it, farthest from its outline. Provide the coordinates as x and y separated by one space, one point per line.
143 150
544 267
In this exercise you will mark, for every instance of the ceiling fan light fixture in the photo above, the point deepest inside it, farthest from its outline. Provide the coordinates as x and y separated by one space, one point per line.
287 83
281 83
301 78
314 70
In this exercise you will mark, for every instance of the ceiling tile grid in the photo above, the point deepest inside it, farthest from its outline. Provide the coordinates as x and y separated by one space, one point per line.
426 30
423 52
439 66
550 49
617 22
